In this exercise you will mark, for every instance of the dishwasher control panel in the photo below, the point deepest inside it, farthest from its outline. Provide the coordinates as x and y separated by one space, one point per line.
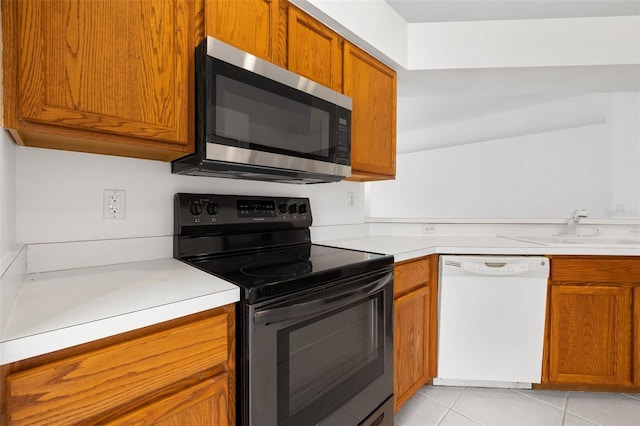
498 266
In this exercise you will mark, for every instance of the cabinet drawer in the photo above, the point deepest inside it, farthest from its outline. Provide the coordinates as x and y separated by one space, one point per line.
80 387
595 270
410 275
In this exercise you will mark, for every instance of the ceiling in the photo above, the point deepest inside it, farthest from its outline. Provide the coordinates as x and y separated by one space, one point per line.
428 98
414 11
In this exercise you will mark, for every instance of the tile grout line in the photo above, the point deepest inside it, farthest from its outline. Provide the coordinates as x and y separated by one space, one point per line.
566 404
440 402
593 422
538 400
466 416
632 396
448 408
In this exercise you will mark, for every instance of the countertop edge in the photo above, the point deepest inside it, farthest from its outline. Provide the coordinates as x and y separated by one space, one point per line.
42 343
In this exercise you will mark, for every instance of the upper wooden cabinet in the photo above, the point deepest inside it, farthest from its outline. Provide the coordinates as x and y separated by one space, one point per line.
117 78
251 25
314 51
98 76
372 86
593 322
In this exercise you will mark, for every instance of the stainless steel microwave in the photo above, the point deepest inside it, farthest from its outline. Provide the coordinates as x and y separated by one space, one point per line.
255 120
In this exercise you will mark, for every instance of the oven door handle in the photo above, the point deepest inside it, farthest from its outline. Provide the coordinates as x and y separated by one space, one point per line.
321 302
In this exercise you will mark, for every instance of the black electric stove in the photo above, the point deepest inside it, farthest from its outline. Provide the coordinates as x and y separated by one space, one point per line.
262 245
298 301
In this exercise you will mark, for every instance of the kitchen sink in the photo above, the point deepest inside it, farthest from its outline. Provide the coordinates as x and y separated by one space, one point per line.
576 240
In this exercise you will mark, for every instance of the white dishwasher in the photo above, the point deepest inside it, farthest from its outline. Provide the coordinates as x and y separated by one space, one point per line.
491 317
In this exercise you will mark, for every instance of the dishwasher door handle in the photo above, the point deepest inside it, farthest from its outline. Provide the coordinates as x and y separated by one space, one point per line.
495 264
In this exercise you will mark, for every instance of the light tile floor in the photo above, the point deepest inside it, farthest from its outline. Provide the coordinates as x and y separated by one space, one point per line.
458 406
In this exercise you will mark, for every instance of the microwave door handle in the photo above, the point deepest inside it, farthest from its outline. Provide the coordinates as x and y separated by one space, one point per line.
322 303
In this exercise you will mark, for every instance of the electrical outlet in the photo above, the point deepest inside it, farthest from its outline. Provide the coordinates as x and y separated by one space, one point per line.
351 199
113 204
428 229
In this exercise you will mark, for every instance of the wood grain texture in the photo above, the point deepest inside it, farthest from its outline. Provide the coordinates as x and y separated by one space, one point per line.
314 51
411 337
372 87
590 335
281 44
410 275
596 269
91 384
116 74
202 404
636 337
250 25
116 67
433 318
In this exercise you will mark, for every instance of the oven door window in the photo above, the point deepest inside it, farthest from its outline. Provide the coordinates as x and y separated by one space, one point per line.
324 361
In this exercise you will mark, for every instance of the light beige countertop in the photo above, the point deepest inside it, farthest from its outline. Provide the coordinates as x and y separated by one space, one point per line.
408 247
56 310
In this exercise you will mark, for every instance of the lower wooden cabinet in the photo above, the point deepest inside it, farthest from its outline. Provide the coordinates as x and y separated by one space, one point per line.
414 331
203 404
636 337
593 323
176 373
590 336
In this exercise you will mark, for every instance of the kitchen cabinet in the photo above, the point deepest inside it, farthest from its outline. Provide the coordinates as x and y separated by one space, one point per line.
636 337
592 338
179 372
414 339
314 51
102 77
89 76
255 26
372 86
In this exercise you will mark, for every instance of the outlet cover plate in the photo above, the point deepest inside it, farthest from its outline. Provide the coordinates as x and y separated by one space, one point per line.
114 204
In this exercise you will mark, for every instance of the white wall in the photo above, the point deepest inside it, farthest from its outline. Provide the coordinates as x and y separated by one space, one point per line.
524 43
624 118
60 196
566 113
525 173
7 200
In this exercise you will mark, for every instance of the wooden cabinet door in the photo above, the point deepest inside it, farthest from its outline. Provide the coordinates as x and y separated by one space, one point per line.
314 50
94 384
204 404
249 25
636 336
590 335
107 67
410 339
372 86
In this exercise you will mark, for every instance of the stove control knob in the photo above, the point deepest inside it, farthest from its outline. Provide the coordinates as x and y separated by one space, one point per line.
195 207
282 207
293 208
213 208
302 209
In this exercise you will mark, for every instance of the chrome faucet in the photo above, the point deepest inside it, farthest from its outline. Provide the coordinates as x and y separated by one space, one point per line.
572 224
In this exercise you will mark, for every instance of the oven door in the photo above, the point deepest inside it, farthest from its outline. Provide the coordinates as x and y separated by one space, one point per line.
324 358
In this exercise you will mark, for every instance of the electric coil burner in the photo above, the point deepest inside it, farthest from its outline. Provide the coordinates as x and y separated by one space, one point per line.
314 323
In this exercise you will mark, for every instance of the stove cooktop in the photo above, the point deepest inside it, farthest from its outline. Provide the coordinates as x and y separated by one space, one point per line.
282 270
